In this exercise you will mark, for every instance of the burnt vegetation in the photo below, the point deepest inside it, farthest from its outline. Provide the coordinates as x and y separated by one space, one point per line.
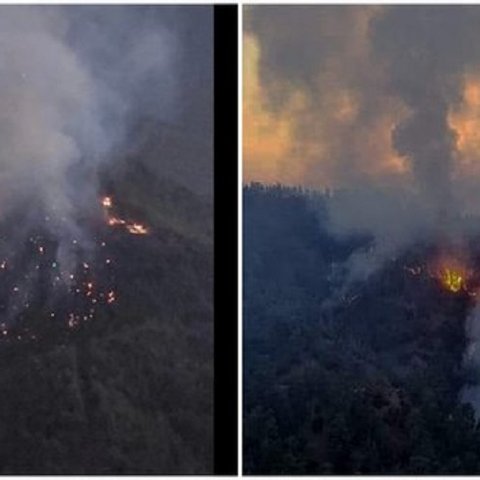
362 380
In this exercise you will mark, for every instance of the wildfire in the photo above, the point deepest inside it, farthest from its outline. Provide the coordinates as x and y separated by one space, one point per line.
137 229
107 202
88 288
88 293
116 221
134 228
452 280
111 297
451 273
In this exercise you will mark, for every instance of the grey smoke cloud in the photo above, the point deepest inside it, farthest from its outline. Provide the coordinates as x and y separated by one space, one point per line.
324 52
427 51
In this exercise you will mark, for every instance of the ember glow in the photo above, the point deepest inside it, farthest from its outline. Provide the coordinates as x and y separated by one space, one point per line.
137 229
134 228
78 294
116 221
107 202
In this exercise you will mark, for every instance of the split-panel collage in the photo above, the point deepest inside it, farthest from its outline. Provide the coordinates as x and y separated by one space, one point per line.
239 239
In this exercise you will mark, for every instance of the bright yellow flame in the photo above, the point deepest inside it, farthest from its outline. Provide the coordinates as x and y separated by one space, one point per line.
452 280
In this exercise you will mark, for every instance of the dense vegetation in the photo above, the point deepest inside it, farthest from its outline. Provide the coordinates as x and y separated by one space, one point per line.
365 380
131 391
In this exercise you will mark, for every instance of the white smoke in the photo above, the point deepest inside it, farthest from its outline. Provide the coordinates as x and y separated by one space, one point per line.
65 100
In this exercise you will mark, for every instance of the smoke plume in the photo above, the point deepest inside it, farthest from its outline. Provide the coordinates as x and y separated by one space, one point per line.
73 81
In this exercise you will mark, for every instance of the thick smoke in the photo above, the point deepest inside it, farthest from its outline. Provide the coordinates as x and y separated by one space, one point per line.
73 82
427 51
49 116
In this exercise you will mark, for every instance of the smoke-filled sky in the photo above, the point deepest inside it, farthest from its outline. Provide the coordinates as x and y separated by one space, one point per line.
344 96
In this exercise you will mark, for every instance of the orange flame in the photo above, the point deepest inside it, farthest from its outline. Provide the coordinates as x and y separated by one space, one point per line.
133 228
107 202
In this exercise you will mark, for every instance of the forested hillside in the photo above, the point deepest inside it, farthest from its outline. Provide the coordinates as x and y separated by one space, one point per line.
126 387
361 379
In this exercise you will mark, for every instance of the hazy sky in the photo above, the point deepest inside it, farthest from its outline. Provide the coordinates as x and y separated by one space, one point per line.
346 95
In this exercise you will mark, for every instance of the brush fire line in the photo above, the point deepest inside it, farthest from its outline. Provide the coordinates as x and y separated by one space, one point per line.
135 228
